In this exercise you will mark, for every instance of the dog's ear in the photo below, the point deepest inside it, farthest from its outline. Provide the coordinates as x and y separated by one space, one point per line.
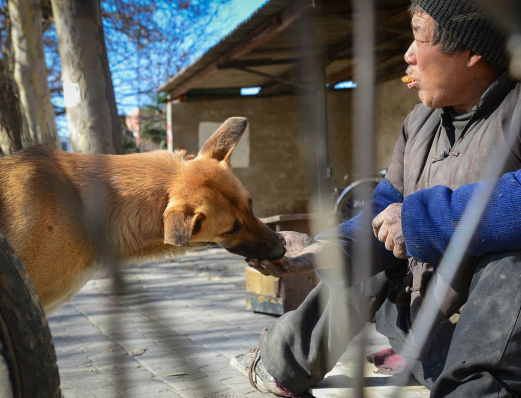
221 144
179 226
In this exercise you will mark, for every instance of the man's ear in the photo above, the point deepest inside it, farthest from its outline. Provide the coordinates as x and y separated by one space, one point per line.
221 144
179 226
473 59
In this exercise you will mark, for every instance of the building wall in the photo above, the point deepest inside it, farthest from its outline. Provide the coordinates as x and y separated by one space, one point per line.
277 174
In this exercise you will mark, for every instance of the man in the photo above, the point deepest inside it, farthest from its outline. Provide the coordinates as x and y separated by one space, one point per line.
469 109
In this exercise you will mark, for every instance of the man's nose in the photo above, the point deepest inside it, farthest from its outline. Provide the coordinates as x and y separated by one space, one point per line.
410 54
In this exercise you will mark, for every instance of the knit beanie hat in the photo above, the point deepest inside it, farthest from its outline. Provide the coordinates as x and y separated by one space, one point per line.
470 24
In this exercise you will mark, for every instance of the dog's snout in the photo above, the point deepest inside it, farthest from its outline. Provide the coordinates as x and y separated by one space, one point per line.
267 245
278 248
281 238
278 254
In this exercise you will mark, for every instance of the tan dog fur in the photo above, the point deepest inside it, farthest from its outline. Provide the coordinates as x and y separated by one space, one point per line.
66 214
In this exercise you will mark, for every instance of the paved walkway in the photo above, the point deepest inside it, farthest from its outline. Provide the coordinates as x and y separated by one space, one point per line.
172 332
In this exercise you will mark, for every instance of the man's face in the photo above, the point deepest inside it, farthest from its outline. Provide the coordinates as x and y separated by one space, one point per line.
441 79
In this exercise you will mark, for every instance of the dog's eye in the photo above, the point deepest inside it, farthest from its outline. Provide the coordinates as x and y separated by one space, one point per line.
236 228
250 201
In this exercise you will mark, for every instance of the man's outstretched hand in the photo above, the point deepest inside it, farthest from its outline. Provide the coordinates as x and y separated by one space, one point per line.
300 257
387 227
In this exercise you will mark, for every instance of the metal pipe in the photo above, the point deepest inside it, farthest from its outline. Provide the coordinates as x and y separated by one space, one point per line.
362 153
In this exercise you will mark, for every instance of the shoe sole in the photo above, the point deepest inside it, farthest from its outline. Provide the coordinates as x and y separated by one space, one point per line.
262 386
237 366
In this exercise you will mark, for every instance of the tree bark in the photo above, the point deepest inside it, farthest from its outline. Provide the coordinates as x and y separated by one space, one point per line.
30 73
87 83
11 119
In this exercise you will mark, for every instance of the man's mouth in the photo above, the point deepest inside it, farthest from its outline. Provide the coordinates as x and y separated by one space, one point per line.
411 82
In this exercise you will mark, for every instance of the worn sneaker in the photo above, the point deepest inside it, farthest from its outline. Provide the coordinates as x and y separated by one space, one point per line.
251 366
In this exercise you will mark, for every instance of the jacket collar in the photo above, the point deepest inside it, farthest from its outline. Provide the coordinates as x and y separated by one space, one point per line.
497 91
492 97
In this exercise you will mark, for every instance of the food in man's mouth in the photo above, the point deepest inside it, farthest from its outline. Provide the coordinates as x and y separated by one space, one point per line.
407 79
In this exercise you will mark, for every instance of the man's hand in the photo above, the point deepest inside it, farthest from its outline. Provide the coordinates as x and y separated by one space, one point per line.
295 242
387 227
300 256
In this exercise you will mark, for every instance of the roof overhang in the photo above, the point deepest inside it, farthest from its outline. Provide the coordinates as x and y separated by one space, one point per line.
272 48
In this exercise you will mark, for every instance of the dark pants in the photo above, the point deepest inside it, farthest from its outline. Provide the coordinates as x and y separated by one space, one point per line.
481 357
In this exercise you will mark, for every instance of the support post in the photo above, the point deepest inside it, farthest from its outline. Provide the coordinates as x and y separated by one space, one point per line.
321 138
169 132
312 73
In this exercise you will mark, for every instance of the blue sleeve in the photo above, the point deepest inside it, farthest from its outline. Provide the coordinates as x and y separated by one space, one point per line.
347 233
430 216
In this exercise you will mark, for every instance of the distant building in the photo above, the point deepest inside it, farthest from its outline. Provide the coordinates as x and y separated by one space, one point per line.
143 120
133 124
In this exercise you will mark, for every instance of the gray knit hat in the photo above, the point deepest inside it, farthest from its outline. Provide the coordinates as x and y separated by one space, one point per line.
471 25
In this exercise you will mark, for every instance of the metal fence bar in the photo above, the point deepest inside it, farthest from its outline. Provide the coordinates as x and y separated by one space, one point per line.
362 154
97 218
98 227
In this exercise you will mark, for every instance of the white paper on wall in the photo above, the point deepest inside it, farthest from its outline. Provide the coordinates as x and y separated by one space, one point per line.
241 153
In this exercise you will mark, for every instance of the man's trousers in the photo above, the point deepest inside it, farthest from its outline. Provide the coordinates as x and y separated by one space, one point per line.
479 357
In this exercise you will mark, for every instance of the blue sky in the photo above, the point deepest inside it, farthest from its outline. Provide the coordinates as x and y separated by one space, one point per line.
228 17
232 15
237 11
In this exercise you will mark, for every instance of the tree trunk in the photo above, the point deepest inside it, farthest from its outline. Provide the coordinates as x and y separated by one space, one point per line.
12 122
30 73
87 83
11 119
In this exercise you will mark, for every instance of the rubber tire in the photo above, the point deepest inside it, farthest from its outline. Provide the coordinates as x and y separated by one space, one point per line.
24 332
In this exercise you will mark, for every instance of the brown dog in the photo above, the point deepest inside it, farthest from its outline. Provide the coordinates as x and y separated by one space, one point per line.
67 214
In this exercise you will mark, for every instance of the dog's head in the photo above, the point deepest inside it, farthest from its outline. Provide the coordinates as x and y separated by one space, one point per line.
208 204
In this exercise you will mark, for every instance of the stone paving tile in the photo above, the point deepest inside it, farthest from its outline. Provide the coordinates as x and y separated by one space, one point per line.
205 392
170 334
92 392
133 380
144 390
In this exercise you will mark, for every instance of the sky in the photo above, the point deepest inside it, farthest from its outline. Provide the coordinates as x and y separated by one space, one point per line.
228 18
232 15
237 11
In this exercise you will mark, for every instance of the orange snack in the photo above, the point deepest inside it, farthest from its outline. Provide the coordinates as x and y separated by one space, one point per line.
407 79
278 262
